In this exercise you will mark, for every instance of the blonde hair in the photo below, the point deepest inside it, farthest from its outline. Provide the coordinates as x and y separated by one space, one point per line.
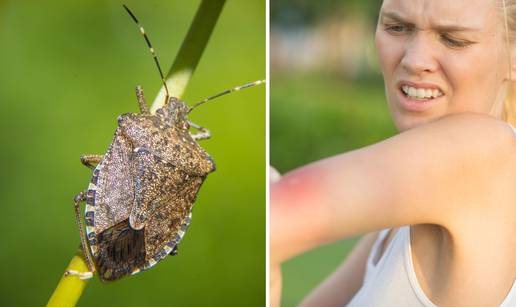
509 14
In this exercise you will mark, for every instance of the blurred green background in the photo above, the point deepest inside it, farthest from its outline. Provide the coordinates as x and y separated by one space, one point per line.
69 68
326 98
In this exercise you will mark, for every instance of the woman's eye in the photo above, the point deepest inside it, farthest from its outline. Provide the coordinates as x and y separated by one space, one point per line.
396 28
452 42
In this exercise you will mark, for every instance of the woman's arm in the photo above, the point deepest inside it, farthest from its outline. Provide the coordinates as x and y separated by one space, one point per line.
430 174
340 287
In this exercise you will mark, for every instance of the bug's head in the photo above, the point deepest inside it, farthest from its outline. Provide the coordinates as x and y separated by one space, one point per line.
174 114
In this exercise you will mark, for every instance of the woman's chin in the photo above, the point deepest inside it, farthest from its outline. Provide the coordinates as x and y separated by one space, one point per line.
405 122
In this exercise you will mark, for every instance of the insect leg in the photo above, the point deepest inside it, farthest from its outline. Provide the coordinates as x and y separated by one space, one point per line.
144 109
82 275
89 160
203 133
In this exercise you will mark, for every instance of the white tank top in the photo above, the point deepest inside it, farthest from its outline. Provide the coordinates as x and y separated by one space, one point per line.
393 282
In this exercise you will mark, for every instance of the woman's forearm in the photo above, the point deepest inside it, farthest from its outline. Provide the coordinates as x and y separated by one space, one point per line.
303 209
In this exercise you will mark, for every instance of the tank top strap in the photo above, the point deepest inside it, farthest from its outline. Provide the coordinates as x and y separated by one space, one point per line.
513 129
510 299
371 266
382 234
409 267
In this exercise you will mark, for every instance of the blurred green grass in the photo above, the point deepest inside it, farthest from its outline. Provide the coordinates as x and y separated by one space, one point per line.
316 115
68 70
313 116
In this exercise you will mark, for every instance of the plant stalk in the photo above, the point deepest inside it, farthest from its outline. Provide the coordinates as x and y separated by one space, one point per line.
70 288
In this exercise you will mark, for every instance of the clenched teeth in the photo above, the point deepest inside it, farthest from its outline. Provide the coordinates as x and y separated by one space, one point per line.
420 93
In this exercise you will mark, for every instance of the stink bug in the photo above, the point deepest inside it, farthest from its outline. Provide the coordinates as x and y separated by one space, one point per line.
140 197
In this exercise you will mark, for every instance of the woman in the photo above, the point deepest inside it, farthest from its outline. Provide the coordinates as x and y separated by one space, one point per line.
439 199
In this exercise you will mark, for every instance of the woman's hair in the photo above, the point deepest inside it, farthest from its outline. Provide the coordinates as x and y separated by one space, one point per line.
509 14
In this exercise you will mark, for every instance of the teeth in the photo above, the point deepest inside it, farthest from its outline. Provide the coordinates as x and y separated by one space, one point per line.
412 91
420 93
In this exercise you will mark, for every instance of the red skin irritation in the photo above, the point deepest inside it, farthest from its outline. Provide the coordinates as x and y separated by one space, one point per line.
298 213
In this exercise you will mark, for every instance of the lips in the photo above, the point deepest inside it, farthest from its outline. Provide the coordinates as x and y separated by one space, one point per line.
418 96
420 93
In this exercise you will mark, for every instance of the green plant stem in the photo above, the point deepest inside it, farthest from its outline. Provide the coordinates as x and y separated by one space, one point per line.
191 51
70 287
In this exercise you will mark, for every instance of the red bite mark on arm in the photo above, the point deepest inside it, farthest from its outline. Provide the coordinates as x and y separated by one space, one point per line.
298 191
297 211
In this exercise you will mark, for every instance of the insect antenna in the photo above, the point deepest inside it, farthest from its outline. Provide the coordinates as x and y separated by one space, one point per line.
142 31
195 105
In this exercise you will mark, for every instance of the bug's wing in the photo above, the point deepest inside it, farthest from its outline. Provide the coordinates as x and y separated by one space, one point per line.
114 188
122 250
164 196
168 223
117 249
110 193
154 181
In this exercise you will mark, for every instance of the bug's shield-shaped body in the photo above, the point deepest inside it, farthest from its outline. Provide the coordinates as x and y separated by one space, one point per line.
140 198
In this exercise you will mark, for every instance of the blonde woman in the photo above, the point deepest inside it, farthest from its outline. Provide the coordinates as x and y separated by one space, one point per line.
436 202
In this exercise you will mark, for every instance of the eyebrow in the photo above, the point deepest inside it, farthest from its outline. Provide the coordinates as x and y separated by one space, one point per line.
442 28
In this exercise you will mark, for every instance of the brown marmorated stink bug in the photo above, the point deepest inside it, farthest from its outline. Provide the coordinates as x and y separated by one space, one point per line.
140 197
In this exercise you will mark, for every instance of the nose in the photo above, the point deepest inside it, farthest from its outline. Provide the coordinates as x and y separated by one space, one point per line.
419 56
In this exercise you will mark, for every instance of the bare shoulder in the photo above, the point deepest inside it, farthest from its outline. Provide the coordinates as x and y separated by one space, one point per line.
472 131
448 167
483 122
476 150
487 146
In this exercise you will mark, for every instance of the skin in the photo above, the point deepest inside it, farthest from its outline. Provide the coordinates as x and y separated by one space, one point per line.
459 48
413 45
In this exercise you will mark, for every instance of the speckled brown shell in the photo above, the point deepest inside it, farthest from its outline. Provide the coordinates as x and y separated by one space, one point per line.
153 168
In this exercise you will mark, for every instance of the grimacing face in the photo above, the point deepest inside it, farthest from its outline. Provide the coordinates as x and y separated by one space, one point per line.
442 56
